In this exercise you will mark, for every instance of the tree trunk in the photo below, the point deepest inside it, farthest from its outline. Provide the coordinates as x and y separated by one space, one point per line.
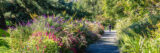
2 22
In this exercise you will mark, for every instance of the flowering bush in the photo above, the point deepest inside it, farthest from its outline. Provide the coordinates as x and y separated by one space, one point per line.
42 42
53 34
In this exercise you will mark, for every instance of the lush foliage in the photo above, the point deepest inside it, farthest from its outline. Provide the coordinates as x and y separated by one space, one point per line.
136 25
52 34
76 23
115 10
16 11
72 27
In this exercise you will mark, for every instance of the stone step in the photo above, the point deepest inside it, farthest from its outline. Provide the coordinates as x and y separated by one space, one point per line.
108 33
113 43
108 36
107 42
108 39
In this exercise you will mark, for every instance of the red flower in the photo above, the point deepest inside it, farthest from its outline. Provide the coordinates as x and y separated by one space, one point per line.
45 46
53 36
27 48
37 47
55 39
60 44
43 51
50 35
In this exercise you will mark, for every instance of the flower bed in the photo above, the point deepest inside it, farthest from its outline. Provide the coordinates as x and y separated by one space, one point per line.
53 34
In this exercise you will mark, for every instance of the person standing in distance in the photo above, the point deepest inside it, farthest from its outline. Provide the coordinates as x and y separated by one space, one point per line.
110 27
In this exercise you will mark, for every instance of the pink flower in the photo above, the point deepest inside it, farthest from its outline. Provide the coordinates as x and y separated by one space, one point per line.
60 44
40 41
45 46
50 35
37 47
33 34
53 35
46 34
58 39
43 51
54 39
39 33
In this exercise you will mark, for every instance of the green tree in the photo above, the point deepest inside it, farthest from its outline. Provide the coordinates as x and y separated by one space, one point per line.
2 19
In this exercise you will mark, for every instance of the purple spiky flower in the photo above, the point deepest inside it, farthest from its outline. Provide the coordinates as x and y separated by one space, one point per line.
45 16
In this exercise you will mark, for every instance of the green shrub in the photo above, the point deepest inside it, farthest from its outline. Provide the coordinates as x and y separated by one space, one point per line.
4 42
3 33
138 35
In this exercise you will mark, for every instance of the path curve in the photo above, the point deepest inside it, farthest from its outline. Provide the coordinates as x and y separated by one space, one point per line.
106 44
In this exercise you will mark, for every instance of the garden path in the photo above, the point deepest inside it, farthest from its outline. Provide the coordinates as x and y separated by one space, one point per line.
106 44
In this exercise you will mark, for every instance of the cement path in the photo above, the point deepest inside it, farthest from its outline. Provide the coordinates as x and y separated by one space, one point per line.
106 44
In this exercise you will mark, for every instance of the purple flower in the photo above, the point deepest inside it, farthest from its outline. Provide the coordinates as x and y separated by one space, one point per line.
56 19
60 19
52 27
70 22
45 16
28 23
64 21
59 22
52 16
58 28
39 16
22 23
47 24
80 20
12 27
